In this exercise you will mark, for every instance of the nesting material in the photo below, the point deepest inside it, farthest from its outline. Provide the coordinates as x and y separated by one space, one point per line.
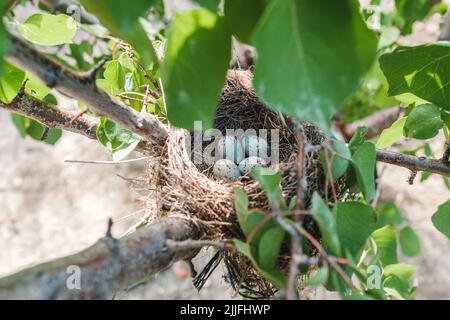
193 191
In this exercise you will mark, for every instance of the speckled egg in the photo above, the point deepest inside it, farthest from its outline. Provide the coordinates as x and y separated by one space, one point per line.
249 163
255 146
226 169
230 148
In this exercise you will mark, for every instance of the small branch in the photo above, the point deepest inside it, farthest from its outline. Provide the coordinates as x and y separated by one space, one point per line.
108 266
414 163
51 117
83 88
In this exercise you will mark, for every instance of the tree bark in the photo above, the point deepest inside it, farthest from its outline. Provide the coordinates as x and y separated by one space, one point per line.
50 116
83 88
110 265
414 163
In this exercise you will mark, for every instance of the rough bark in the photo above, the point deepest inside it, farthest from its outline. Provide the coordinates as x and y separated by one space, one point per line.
50 116
110 265
414 163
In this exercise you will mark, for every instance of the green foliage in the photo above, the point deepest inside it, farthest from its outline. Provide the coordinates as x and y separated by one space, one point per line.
363 163
326 222
410 11
321 65
390 135
355 222
424 122
386 245
313 58
49 30
10 82
441 219
389 214
196 62
242 16
409 242
33 129
340 157
122 19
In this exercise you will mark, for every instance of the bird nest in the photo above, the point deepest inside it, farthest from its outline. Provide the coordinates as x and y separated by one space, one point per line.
191 190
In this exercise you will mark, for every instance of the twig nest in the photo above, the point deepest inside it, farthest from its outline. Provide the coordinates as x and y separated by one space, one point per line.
250 163
229 147
227 170
255 146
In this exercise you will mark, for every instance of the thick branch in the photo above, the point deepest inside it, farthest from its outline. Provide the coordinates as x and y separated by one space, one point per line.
108 266
414 163
50 116
83 88
375 123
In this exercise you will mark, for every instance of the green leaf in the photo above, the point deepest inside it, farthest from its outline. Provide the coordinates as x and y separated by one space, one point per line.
269 247
122 19
355 222
390 135
4 36
385 239
269 180
273 275
324 218
358 139
424 122
423 71
48 29
20 122
114 78
197 58
119 141
363 162
441 219
339 158
10 82
32 128
241 207
322 63
319 278
411 11
36 87
409 242
402 271
242 16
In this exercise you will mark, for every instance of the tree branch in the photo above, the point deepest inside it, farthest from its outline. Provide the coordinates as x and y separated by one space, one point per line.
50 116
107 267
83 88
67 7
414 163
